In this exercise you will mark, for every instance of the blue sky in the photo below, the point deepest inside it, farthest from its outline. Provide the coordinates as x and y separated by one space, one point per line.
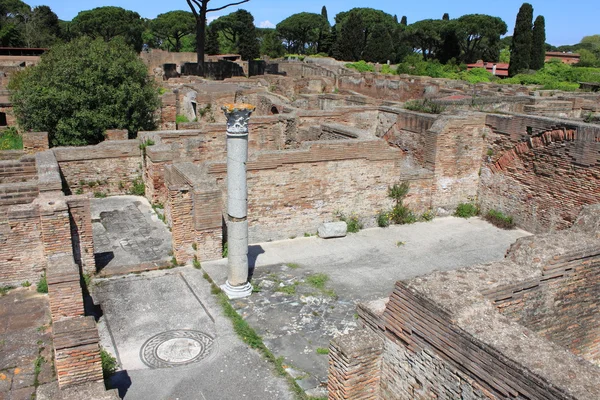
566 21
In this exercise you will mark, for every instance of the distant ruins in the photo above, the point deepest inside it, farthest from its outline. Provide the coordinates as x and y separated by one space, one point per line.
326 139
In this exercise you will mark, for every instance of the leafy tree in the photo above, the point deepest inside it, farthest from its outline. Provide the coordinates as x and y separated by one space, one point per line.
248 45
538 45
587 59
173 26
369 17
41 27
301 32
80 89
271 44
520 50
200 9
212 40
426 36
479 36
379 47
239 33
110 22
350 43
403 21
12 13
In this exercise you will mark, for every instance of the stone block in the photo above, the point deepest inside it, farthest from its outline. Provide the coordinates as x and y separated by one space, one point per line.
333 230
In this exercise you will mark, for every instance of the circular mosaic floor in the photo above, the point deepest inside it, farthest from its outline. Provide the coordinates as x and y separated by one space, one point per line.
175 348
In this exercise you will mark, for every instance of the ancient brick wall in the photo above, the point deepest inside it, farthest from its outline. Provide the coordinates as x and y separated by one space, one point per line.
541 171
11 120
390 88
21 170
108 168
559 304
35 141
116 134
292 192
76 351
55 226
21 250
64 287
81 233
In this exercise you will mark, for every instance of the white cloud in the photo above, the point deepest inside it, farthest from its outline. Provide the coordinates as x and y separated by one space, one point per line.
266 24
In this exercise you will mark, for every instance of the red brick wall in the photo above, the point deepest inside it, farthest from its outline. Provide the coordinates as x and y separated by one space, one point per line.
64 288
35 141
561 304
81 232
540 171
109 167
21 250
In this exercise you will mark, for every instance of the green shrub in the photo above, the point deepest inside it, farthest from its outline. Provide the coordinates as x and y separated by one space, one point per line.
42 286
466 210
428 215
109 363
352 222
500 220
4 289
317 281
10 140
225 250
386 69
180 119
100 195
400 213
477 75
383 219
138 188
557 76
361 66
425 106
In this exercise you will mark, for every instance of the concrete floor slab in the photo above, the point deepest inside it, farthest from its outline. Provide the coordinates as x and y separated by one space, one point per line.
128 236
297 318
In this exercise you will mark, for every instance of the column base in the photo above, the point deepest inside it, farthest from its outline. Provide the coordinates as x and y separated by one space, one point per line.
237 292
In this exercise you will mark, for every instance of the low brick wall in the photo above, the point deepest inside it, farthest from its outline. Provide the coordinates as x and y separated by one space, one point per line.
34 142
64 287
21 170
76 351
444 336
108 168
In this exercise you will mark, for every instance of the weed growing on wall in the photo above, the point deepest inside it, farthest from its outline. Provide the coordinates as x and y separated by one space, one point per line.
352 221
383 219
10 140
497 218
424 106
42 286
400 214
109 363
138 188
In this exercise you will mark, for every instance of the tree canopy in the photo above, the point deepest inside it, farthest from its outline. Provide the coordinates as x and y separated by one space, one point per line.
82 88
479 36
301 32
173 26
111 22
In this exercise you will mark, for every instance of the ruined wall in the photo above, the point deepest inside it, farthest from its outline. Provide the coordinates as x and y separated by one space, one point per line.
390 87
560 304
108 168
292 192
540 170
447 335
21 250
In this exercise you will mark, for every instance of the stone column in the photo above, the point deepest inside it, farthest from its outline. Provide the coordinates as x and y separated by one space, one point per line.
237 285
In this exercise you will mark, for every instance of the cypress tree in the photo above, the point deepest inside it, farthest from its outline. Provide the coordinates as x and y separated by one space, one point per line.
395 18
446 17
403 21
538 46
324 13
520 50
351 41
379 45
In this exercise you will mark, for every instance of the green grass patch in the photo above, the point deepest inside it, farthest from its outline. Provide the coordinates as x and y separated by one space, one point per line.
293 265
322 350
42 286
317 281
10 140
5 289
289 289
466 210
497 218
361 66
180 119
138 188
100 195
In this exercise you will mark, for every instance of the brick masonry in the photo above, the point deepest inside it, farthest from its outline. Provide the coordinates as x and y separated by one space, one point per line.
541 171
35 141
109 168
81 232
64 287
76 351
471 333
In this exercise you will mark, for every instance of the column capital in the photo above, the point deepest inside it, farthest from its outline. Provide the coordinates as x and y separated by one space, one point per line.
237 118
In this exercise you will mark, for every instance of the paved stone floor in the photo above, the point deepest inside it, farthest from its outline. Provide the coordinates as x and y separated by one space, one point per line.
128 236
307 288
172 341
25 336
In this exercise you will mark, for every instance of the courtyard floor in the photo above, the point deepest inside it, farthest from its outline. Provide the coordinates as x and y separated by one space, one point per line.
172 340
